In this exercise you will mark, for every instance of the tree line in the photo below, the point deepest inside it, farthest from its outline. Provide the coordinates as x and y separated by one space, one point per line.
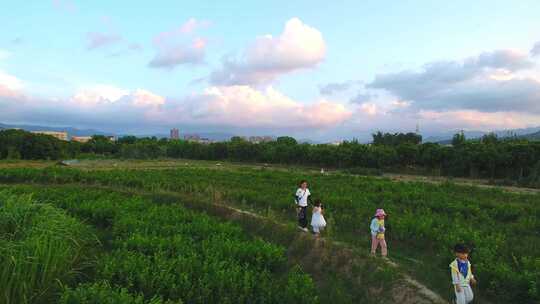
488 157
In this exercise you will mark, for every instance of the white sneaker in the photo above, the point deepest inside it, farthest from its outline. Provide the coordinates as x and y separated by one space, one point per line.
305 229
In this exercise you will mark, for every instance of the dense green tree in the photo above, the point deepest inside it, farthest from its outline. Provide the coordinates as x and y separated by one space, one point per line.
490 138
286 140
407 153
458 139
100 144
127 140
489 157
389 139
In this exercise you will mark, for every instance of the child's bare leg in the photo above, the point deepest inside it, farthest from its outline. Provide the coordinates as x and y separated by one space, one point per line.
384 248
374 244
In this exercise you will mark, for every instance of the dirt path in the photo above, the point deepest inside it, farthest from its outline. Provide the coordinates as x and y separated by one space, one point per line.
423 290
222 165
407 290
111 164
458 181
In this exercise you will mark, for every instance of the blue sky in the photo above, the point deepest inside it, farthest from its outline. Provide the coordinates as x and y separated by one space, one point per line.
207 66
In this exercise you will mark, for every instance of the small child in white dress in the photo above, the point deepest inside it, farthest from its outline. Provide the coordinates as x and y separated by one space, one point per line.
317 220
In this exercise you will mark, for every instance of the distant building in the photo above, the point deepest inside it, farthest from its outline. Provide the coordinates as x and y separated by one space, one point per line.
81 139
175 133
260 139
59 135
192 137
112 137
197 138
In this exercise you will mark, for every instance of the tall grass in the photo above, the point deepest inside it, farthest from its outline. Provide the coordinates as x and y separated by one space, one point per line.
41 247
164 253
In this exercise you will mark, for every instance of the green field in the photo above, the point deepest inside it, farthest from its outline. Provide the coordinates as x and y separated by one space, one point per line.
149 253
140 218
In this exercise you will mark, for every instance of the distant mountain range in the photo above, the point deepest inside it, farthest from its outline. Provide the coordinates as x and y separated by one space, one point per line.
71 131
529 133
533 136
443 138
89 132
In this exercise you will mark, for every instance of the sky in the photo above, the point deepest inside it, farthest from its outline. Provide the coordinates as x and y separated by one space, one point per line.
310 69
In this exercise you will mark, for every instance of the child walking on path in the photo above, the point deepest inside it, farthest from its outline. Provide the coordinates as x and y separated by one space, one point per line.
377 233
462 276
317 220
301 198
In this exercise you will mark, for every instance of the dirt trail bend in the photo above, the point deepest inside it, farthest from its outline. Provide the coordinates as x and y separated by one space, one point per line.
407 291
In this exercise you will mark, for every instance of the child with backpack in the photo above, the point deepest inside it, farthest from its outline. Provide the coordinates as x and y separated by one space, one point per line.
462 276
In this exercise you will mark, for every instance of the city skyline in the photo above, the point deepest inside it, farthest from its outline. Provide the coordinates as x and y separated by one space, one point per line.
306 69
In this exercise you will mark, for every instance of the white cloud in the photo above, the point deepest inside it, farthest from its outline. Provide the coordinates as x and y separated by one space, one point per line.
100 93
11 87
10 82
363 97
510 60
144 98
400 104
490 82
192 25
298 47
369 108
97 40
535 51
337 87
179 47
172 56
477 120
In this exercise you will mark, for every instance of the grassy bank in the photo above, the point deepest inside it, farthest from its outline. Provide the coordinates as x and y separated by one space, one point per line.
41 248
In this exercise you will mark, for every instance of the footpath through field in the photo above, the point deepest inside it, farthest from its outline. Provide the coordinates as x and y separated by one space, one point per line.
337 255
422 289
458 181
427 218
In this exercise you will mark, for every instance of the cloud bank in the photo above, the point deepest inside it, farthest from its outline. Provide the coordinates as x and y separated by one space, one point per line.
490 82
535 51
218 106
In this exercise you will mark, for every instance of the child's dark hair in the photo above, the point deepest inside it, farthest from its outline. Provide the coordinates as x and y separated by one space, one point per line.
461 248
317 203
301 182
